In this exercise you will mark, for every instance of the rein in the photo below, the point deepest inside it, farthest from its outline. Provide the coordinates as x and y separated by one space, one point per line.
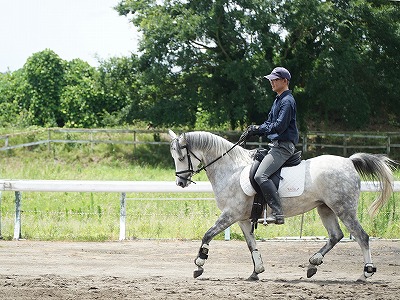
190 165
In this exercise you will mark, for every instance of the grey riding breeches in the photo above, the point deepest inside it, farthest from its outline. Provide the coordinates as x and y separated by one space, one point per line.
278 154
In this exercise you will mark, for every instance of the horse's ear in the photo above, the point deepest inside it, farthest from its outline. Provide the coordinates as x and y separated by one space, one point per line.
172 134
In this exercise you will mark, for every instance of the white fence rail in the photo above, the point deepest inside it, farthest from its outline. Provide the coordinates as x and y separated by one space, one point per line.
121 187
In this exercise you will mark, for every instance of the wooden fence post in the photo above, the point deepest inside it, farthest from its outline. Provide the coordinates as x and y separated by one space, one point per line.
305 143
49 140
91 141
134 142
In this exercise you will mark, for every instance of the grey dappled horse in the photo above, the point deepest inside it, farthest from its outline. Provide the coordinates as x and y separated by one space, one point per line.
332 185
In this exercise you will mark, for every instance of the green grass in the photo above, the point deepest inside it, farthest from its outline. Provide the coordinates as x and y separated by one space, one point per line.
73 216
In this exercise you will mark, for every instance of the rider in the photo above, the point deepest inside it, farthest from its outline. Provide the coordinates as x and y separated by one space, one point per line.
280 127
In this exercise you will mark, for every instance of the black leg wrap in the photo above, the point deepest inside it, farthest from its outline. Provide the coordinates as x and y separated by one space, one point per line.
203 253
369 269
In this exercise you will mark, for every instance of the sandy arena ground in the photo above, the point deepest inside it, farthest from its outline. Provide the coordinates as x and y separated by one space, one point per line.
151 269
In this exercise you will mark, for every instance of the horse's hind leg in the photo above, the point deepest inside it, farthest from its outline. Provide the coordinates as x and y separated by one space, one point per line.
330 221
349 219
255 254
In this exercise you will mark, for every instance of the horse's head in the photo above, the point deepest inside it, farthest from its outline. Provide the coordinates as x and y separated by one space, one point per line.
182 156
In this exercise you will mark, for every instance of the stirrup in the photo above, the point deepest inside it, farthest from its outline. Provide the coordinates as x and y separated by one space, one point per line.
263 220
275 219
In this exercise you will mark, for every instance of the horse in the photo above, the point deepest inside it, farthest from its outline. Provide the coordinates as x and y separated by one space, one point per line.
332 186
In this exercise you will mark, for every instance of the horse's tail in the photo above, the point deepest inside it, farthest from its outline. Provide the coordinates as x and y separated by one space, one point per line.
378 168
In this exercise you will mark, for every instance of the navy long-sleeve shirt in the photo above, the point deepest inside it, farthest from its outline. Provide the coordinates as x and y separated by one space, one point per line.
281 123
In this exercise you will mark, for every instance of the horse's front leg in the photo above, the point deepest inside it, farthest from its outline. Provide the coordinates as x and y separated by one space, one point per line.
224 221
255 254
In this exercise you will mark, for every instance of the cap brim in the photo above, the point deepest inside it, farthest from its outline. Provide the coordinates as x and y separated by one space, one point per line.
271 77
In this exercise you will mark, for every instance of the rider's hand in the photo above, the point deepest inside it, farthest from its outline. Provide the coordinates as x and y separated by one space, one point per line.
243 138
253 130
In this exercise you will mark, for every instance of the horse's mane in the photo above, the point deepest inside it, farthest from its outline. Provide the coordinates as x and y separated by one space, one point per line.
206 142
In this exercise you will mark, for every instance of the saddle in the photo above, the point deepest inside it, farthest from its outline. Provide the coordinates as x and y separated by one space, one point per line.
259 202
294 160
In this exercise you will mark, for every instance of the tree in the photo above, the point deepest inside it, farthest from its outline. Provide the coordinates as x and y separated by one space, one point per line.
382 51
201 64
11 91
332 46
120 81
205 56
214 53
44 75
81 101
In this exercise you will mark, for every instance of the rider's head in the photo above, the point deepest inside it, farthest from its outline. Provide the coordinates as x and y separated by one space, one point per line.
279 79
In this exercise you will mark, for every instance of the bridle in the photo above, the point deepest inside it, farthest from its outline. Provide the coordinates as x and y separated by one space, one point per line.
190 168
190 153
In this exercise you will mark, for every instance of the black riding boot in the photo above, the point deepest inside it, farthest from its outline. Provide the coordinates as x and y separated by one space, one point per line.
272 198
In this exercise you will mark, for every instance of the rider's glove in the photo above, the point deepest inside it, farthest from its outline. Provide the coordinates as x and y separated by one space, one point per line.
253 130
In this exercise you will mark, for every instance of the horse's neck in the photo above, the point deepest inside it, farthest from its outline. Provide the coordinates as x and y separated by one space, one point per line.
211 147
222 168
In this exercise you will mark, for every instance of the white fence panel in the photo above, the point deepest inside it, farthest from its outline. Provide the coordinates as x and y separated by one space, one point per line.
101 186
122 187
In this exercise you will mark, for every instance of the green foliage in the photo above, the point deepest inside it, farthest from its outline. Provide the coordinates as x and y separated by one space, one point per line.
201 65
120 83
44 74
203 51
11 94
81 98
335 51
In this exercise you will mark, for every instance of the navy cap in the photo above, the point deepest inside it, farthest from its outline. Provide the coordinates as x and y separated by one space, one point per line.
279 72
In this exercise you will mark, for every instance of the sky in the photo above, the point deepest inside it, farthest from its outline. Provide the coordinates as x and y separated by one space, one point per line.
85 29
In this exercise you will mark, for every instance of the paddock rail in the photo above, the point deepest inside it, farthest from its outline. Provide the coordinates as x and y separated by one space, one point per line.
121 187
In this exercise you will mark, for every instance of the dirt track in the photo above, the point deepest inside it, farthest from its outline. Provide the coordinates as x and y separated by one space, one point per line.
163 270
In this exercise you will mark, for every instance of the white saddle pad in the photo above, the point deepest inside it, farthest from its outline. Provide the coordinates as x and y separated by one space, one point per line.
291 184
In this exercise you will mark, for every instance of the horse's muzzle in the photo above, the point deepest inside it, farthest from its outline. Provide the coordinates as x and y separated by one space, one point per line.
182 182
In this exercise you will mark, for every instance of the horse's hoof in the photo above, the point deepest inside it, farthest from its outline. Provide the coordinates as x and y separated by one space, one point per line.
316 259
311 271
198 272
253 277
362 279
